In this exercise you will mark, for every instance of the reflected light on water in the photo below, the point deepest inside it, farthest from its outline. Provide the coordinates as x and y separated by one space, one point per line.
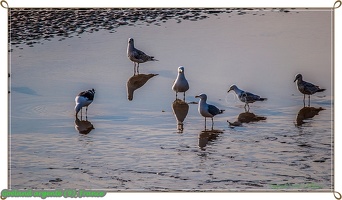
180 109
83 126
207 136
135 82
246 117
307 113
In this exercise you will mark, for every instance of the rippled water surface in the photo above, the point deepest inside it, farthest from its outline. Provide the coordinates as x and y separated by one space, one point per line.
139 145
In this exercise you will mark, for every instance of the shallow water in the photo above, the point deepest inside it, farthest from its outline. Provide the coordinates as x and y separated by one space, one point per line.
137 145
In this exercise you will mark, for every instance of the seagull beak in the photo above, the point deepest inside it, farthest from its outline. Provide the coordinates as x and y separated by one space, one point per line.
197 96
229 90
295 80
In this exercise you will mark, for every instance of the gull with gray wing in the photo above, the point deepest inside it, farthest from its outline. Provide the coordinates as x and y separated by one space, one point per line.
137 56
207 110
244 96
306 87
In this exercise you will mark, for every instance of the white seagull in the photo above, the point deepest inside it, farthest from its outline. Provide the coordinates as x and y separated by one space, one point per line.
306 87
137 56
84 99
207 110
180 84
244 96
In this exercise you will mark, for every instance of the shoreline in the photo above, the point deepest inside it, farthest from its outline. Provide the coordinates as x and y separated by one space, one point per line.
32 25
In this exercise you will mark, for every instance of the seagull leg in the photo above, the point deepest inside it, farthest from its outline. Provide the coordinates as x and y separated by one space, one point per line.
212 124
176 94
304 100
138 68
184 97
134 68
246 105
81 113
309 100
86 111
205 123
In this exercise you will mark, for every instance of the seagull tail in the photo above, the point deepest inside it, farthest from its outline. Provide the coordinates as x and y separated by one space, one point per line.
153 59
320 90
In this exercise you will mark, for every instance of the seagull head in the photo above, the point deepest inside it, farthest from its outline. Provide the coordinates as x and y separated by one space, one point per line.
202 96
232 87
93 90
78 107
298 77
130 41
180 69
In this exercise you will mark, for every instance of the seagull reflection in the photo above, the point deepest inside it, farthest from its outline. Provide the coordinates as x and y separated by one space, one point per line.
135 82
207 136
180 109
246 117
83 126
307 113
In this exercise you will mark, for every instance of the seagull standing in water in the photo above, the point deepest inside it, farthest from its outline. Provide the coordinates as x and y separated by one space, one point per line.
84 99
137 56
245 97
207 110
180 84
306 87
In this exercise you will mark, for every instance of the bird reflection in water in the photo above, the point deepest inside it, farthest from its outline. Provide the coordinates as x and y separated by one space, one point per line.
83 126
135 82
246 117
307 113
180 109
207 136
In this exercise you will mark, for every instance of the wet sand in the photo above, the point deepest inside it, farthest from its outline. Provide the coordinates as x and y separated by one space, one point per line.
32 25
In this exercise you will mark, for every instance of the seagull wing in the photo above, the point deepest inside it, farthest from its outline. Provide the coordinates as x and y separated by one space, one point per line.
248 97
87 95
251 96
140 55
213 110
310 88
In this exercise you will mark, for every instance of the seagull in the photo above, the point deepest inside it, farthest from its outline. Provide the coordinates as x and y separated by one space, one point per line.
180 84
137 56
306 87
84 99
207 110
245 97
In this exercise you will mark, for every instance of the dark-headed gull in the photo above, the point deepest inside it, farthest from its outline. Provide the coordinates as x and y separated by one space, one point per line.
180 84
207 110
137 56
84 99
306 87
244 96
